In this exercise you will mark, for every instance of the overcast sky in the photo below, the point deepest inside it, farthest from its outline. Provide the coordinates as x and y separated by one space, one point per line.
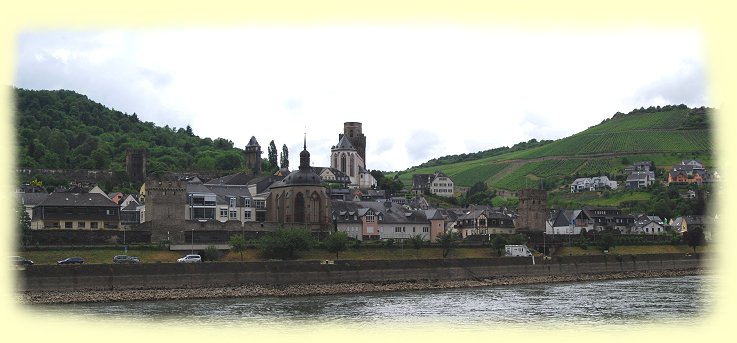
421 91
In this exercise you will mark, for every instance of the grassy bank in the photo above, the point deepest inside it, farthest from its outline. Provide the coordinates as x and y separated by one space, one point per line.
105 255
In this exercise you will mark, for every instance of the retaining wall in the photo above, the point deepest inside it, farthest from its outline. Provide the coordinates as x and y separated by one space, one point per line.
229 274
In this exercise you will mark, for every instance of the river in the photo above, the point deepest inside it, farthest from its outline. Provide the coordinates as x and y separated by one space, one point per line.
669 300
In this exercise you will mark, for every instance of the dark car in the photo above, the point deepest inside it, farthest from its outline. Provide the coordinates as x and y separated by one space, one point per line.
71 260
20 261
125 259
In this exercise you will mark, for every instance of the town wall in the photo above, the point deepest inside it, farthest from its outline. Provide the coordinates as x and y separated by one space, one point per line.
56 237
231 274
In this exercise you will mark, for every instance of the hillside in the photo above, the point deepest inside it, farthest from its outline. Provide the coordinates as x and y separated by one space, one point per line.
62 129
664 135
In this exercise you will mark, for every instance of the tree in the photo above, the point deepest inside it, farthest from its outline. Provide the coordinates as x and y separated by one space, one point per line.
694 237
272 155
24 225
337 242
237 244
284 157
447 240
606 241
498 244
211 253
284 243
417 241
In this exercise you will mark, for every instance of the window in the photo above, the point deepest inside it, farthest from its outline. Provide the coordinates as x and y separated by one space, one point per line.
260 203
247 214
232 202
247 202
67 225
370 217
93 225
80 225
398 229
223 212
233 215
425 229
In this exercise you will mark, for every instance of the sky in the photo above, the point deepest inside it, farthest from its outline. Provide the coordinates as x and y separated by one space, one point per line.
421 91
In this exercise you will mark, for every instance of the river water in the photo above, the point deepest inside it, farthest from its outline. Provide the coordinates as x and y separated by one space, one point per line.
672 300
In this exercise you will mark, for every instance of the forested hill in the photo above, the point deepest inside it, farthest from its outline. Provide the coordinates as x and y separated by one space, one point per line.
62 129
664 135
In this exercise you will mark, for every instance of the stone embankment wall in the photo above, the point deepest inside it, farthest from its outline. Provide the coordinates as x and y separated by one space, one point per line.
233 274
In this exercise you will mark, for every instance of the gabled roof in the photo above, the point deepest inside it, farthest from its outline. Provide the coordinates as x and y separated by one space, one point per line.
422 180
344 144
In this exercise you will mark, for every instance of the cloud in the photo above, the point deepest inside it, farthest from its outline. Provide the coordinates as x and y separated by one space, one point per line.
684 85
421 91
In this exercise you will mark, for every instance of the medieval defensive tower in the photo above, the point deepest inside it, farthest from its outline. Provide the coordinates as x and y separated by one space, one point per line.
354 132
532 210
253 156
135 164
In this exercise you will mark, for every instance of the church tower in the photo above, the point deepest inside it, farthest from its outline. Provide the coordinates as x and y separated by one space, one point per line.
354 132
253 156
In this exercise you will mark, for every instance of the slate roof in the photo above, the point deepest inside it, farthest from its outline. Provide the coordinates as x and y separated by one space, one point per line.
344 144
32 199
77 199
253 142
392 213
232 179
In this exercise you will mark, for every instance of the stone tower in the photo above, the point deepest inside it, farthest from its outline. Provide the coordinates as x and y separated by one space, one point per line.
354 132
166 202
532 210
253 156
135 164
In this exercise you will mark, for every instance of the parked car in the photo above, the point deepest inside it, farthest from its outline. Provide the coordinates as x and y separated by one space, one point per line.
71 260
190 259
20 261
125 259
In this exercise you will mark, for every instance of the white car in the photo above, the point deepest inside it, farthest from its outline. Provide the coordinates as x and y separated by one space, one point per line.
190 259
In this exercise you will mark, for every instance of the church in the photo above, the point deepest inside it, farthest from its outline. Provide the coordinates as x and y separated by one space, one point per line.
349 156
300 198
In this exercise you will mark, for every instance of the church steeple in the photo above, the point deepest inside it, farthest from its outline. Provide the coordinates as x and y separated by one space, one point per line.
304 156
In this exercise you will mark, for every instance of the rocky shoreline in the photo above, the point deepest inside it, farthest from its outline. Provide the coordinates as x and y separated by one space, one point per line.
58 297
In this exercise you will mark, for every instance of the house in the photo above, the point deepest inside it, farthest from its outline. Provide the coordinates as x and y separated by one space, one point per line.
116 197
483 220
592 184
607 218
437 184
639 179
649 225
640 166
691 172
563 222
76 211
332 176
372 220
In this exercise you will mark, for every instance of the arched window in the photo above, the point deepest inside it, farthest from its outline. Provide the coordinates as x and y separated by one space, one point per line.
342 163
353 163
335 160
315 208
299 208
